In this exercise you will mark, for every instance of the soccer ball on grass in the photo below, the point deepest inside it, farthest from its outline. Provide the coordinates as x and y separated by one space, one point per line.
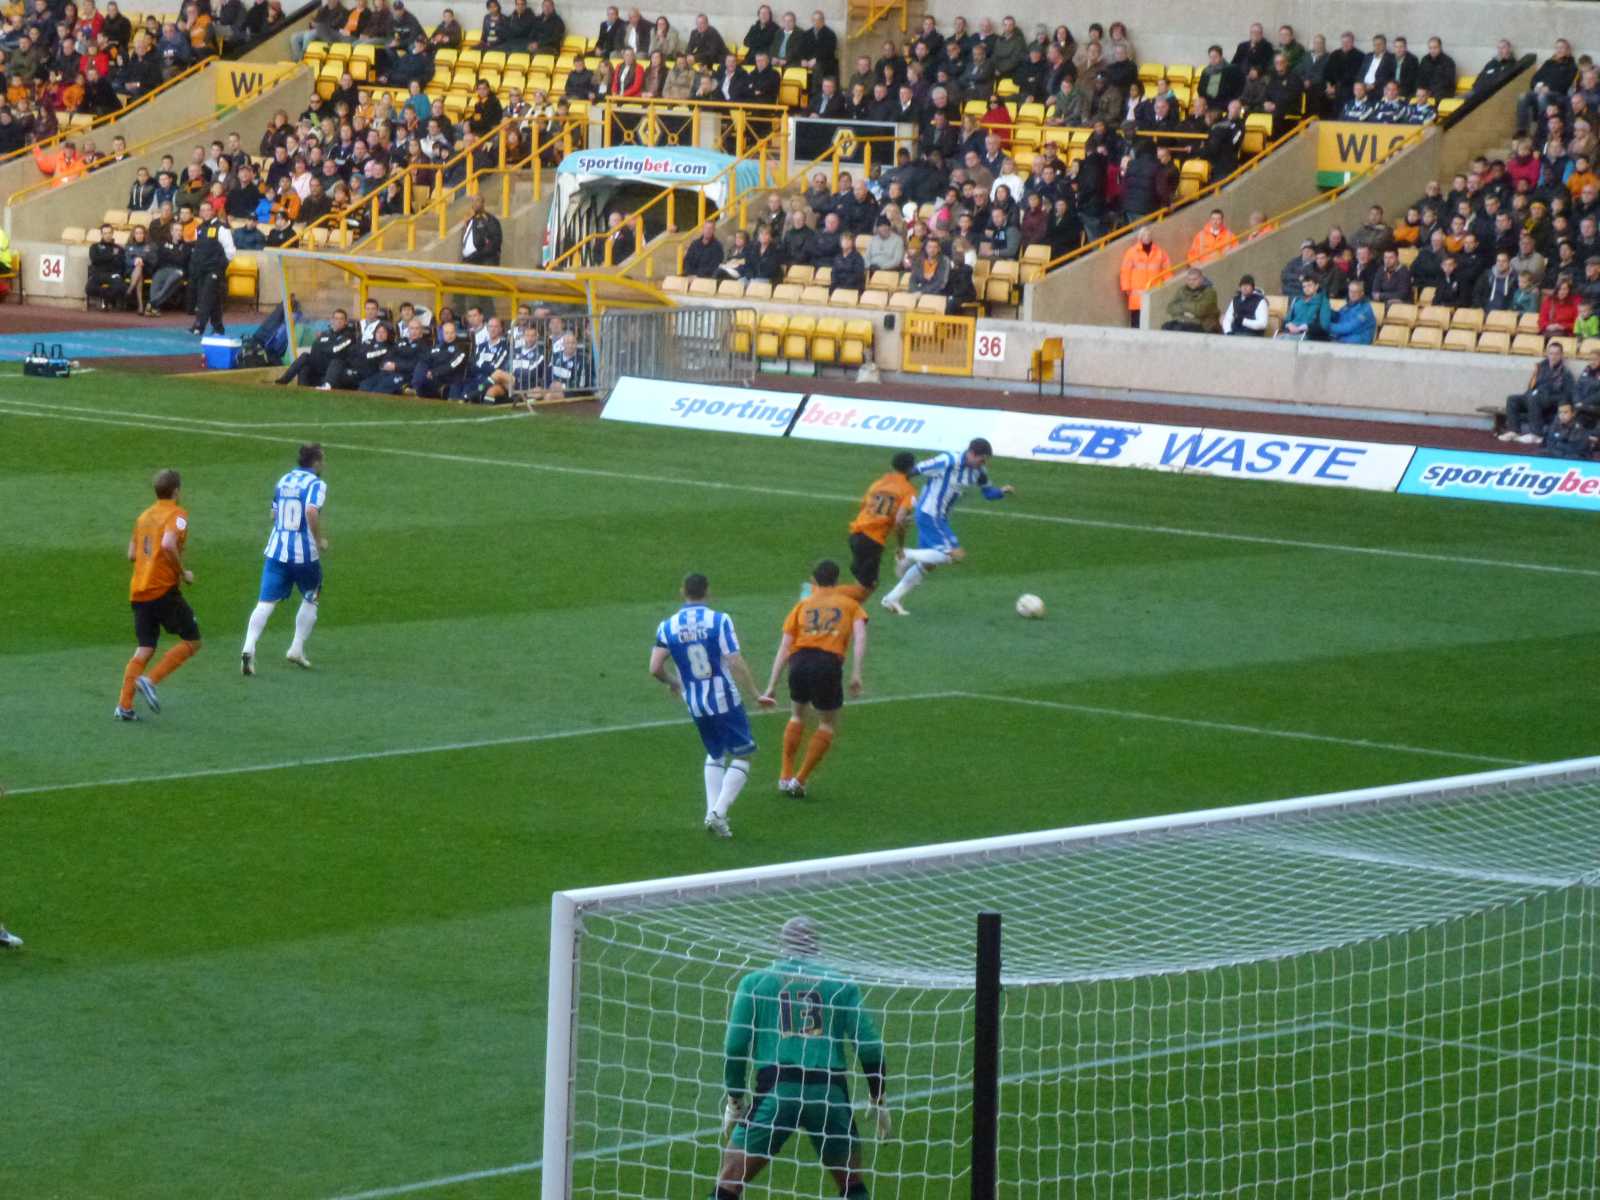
1030 606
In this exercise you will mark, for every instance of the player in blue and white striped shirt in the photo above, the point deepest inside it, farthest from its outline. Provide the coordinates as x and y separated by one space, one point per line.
703 648
947 475
293 557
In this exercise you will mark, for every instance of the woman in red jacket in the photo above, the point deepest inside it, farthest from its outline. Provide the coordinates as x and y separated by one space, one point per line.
1559 311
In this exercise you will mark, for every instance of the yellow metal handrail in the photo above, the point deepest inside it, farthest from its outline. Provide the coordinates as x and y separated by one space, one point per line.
747 119
1162 214
877 12
113 117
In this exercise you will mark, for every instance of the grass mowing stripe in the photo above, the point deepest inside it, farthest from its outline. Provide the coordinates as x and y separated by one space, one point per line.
1095 710
177 425
1404 1035
699 1135
516 739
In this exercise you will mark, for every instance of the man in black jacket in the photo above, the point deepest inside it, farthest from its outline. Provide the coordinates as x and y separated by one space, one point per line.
332 346
1549 387
609 39
105 269
208 268
1451 290
1497 68
1344 68
705 44
1255 51
620 242
764 259
384 364
849 268
1551 83
1436 71
441 366
759 38
480 236
703 256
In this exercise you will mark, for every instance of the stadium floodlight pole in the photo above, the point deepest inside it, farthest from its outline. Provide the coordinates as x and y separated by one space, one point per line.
986 1060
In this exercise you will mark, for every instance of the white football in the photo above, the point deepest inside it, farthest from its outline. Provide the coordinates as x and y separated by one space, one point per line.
1030 606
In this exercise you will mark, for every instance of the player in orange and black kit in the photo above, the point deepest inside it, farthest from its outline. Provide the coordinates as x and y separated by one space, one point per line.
156 552
885 509
816 635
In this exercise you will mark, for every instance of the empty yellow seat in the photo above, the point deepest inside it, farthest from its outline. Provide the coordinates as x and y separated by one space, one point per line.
1494 341
731 289
676 284
1427 337
797 337
815 294
1460 339
1393 335
825 344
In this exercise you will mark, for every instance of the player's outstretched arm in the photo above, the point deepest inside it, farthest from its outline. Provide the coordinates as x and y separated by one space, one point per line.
661 669
746 681
858 653
780 660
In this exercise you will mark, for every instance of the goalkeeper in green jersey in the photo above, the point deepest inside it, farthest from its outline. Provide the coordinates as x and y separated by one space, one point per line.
795 1022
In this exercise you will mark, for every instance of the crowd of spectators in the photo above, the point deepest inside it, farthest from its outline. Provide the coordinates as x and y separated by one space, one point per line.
60 58
473 359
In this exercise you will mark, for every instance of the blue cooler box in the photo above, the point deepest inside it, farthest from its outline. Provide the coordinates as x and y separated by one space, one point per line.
220 353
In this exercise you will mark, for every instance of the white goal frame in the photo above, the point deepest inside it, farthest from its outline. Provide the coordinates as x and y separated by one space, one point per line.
566 907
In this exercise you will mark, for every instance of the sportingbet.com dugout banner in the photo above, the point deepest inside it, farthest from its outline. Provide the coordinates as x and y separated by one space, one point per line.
1326 462
1506 478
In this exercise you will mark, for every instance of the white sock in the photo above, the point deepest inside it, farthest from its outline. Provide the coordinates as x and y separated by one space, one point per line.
714 773
304 622
908 581
732 784
929 558
258 625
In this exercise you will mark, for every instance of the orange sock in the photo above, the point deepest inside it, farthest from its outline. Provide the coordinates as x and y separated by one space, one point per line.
129 673
792 733
821 743
172 660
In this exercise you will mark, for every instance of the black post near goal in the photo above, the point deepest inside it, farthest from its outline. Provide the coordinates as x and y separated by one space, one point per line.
986 1059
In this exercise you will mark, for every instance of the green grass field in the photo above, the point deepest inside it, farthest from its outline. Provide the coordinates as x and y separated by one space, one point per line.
288 939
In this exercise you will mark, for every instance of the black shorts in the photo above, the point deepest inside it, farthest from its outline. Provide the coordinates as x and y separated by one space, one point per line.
817 678
866 556
169 611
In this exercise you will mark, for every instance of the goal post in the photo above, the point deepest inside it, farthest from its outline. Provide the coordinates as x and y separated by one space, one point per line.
1374 992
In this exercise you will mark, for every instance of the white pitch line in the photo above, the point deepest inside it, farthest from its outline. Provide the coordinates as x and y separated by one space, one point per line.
43 411
1553 1060
211 423
698 1136
1095 710
516 739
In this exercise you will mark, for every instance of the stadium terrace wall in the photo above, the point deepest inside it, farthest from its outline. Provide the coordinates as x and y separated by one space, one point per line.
42 215
1400 181
1087 292
1469 28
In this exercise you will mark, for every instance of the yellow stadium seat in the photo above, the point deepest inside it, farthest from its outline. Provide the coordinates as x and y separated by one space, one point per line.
1527 343
464 79
798 273
444 57
1031 273
1151 73
339 50
315 51
1494 341
1503 321
744 327
829 335
470 58
1401 314
1590 346
758 289
1460 339
495 59
1425 297
797 338
1393 335
1181 75
824 276
1568 344
1464 84
366 54
731 289
702 287
1257 129
903 302
1448 106
117 218
677 284
974 108
931 304
844 298
74 235
1426 337
1528 323
521 60
244 278
815 294
874 297
489 76
1435 315
1031 113
787 293
887 281
1470 319
769 334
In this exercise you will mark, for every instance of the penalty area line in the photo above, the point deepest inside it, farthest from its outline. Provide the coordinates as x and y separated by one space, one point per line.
1123 714
39 410
515 739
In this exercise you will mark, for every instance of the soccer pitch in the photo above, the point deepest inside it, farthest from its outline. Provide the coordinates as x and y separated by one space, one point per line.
288 939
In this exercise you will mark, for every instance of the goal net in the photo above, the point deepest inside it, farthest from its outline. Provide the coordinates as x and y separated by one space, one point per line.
1373 994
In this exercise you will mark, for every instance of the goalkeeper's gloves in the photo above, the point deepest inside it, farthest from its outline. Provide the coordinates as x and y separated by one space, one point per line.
732 1113
880 1113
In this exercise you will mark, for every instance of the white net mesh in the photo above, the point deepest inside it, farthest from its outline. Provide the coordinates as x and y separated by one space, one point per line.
1387 999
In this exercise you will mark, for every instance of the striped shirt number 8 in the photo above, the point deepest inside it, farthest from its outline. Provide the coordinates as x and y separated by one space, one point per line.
699 660
290 513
